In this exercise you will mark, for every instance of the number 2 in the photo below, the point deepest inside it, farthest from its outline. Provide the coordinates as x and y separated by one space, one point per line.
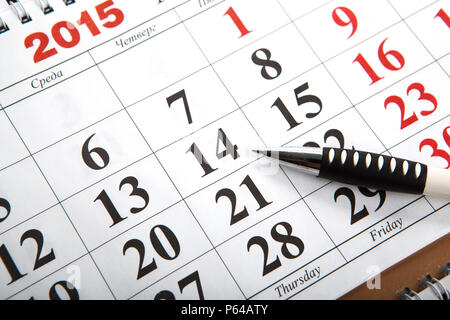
41 52
406 122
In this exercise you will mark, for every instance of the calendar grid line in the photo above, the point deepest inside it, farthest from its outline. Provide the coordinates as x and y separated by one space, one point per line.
420 131
172 272
441 58
13 163
416 36
59 202
381 220
314 215
259 136
29 218
47 276
107 177
369 250
167 174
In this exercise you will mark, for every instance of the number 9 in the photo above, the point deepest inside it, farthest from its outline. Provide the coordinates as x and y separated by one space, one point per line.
351 19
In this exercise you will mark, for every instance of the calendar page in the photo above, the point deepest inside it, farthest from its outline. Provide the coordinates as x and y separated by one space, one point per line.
126 130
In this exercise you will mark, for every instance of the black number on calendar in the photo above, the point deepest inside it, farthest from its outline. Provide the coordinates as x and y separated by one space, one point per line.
228 193
40 261
157 245
5 205
177 96
88 154
67 287
285 239
193 278
332 133
267 64
222 139
350 195
300 101
111 209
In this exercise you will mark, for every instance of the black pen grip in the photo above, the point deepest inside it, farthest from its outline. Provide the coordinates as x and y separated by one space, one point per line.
373 170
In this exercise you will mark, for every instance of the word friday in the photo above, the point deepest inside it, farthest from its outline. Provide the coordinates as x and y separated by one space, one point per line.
386 229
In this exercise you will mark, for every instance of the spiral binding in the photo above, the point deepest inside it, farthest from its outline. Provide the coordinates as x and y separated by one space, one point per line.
435 285
23 15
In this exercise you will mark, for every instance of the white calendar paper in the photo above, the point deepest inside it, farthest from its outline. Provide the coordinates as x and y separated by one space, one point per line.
126 130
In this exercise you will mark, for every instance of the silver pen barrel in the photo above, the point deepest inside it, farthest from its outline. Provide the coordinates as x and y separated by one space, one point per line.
306 159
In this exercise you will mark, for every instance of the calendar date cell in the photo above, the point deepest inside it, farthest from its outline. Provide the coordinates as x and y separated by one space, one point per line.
151 251
23 179
171 56
347 130
62 110
238 202
9 137
121 201
296 107
431 147
353 209
34 249
79 280
341 25
210 154
92 154
196 281
275 247
232 25
378 63
266 64
407 107
182 109
432 26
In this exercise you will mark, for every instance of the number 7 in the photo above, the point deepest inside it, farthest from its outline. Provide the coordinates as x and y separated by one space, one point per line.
181 95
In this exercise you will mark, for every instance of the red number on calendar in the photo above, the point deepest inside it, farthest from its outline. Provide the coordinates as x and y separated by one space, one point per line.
70 28
41 52
383 56
443 15
406 122
87 20
66 35
350 19
435 148
104 11
237 21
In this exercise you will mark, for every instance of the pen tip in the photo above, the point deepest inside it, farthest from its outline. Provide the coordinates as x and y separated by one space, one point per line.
263 152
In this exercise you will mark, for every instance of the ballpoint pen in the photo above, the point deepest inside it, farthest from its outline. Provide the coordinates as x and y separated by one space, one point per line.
365 169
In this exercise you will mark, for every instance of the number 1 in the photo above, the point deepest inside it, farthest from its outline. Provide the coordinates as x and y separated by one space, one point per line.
237 21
